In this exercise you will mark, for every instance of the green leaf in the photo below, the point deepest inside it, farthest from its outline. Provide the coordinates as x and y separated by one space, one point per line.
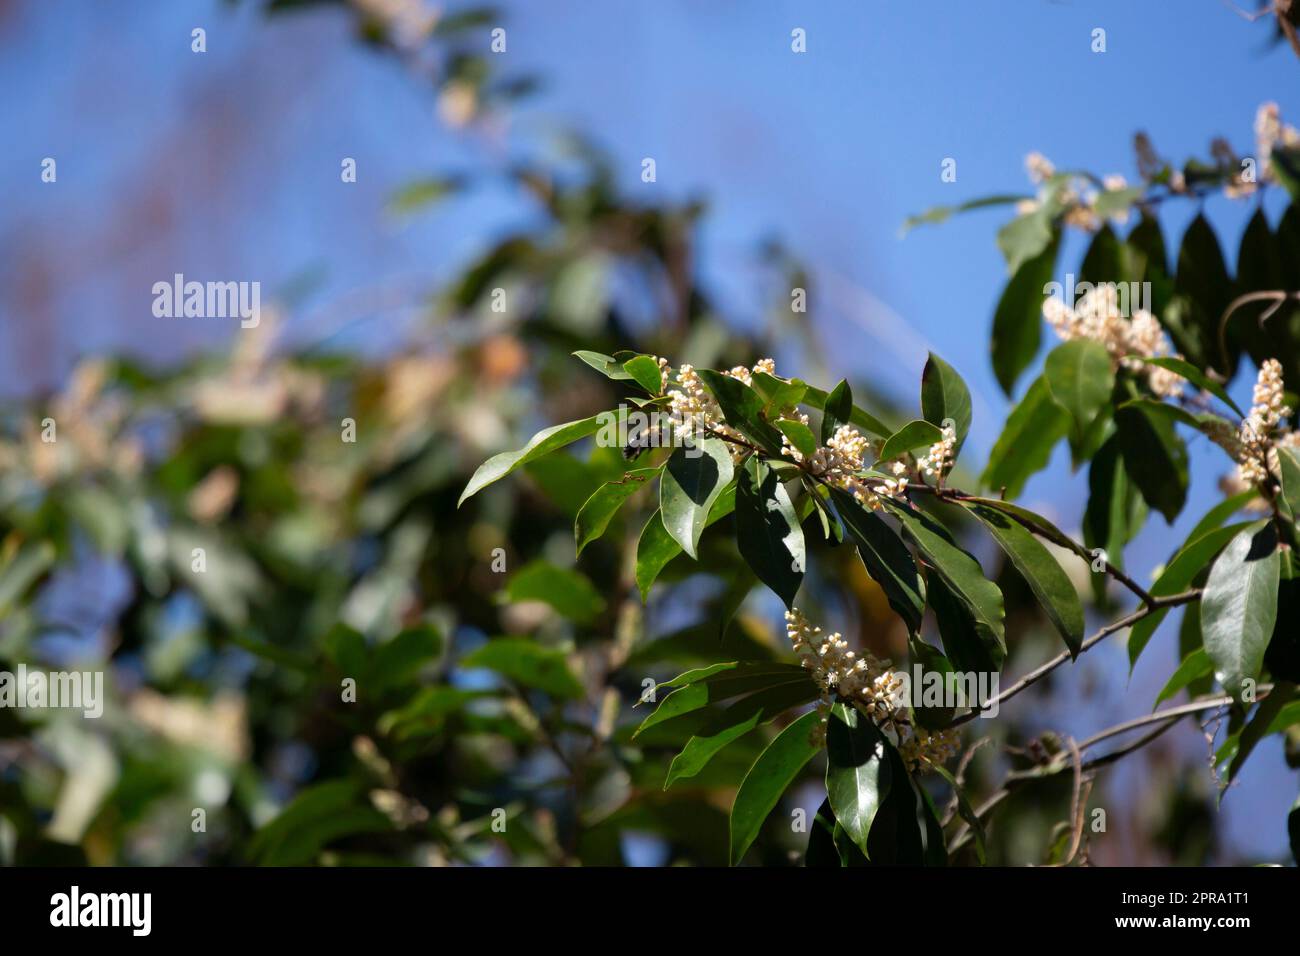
944 397
767 530
1112 201
743 409
656 546
774 772
1260 724
962 574
598 510
915 434
969 646
1115 512
821 850
606 365
938 214
778 394
398 661
1289 465
886 558
736 721
837 409
1198 378
1025 237
1239 606
1202 288
543 443
1154 458
858 774
27 565
1080 378
1033 428
645 371
843 412
1177 577
528 663
568 592
712 685
315 817
1018 319
1045 577
692 481
929 660
1194 666
424 192
966 812
800 436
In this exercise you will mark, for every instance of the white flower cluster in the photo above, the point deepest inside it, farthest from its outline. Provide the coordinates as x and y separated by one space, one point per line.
939 459
870 684
1271 132
1074 195
694 409
840 461
1127 341
1256 446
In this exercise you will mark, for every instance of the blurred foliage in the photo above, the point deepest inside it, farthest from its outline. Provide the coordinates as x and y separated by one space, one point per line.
355 670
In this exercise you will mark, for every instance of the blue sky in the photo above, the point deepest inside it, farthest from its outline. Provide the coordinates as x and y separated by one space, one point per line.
226 164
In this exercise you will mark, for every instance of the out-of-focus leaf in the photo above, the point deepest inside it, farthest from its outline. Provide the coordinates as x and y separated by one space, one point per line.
937 214
1033 428
1198 378
1080 378
528 663
568 592
1018 319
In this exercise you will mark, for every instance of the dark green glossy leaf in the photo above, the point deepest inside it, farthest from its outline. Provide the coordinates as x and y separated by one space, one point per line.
767 530
1115 512
944 397
886 558
1154 458
1239 606
837 409
692 481
598 510
1195 665
772 774
858 774
736 721
962 574
743 409
1177 577
1050 584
